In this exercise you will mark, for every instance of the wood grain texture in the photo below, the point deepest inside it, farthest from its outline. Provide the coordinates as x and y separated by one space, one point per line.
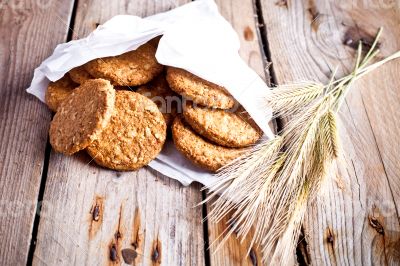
95 216
28 35
241 15
356 219
244 21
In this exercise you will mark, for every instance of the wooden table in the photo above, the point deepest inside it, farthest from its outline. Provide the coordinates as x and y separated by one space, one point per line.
59 210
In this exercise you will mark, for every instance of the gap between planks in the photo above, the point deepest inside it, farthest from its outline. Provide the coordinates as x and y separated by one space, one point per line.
87 16
43 179
302 255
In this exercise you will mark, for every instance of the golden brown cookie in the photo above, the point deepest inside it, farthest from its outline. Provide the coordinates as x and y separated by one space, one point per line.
129 69
79 74
198 90
82 116
155 41
134 136
159 92
199 151
223 127
57 91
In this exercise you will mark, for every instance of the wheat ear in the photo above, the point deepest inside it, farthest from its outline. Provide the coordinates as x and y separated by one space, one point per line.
269 187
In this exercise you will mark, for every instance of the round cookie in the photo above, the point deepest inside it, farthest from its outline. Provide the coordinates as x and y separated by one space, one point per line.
79 74
134 136
129 69
159 92
82 116
198 90
223 127
198 150
57 91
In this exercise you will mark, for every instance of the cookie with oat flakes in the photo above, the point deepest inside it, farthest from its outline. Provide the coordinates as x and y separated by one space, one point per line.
59 90
133 68
79 74
155 41
82 116
223 127
159 92
198 90
199 151
134 136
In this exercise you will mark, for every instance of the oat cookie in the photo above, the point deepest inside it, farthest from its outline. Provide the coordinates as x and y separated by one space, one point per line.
199 151
198 90
159 92
134 136
79 74
223 127
129 69
59 90
155 41
82 116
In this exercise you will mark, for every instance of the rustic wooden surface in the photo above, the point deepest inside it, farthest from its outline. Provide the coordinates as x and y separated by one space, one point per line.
29 34
95 216
138 212
356 221
243 20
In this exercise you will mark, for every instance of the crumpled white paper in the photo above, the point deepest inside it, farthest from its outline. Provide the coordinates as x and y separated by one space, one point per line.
196 38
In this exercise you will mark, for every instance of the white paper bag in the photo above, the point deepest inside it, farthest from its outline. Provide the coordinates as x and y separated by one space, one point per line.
196 38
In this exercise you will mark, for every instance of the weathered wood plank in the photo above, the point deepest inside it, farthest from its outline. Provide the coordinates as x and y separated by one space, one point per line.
356 222
29 31
243 19
95 216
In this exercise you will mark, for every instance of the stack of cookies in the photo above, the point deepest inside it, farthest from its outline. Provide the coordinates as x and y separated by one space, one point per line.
118 109
213 129
97 110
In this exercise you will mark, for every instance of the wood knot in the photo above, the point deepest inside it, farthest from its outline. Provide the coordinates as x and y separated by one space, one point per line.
96 213
354 36
96 216
129 255
118 235
248 34
314 13
156 252
155 255
373 221
136 234
282 3
113 253
329 236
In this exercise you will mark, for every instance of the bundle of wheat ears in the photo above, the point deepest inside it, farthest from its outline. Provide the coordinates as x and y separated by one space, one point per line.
268 188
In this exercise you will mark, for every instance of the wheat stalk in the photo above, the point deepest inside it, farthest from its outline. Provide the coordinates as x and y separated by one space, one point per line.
268 188
291 98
